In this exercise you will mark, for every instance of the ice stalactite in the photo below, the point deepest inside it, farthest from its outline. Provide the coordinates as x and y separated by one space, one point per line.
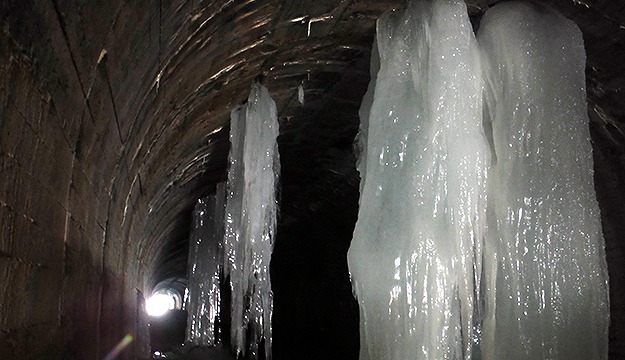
416 253
251 212
478 233
363 114
547 290
205 264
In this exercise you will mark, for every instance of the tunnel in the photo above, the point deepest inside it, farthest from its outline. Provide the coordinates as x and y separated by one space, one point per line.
114 121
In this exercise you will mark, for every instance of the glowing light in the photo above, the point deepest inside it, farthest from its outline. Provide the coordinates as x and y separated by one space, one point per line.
159 303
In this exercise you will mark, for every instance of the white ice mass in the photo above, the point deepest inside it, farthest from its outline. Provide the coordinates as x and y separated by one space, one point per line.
235 239
417 242
546 274
478 233
205 263
250 227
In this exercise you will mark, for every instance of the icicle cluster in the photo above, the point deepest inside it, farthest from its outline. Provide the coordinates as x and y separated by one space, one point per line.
251 211
416 242
547 292
205 264
478 234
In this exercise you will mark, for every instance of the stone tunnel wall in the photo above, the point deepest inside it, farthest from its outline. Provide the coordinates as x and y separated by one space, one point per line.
70 283
109 110
110 113
105 121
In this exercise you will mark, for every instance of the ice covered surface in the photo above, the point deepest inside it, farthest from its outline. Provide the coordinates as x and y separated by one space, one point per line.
547 294
416 253
478 234
251 209
205 263
300 94
363 114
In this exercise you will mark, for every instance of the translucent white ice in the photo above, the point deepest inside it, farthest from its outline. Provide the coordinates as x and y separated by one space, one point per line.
416 252
205 263
547 290
251 209
300 94
478 234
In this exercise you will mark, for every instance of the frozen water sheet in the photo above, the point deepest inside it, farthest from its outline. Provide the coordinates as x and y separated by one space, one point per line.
251 210
473 248
205 263
547 290
416 253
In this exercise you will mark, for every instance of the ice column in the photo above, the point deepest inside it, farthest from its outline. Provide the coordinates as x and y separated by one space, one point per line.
547 289
205 264
416 253
251 209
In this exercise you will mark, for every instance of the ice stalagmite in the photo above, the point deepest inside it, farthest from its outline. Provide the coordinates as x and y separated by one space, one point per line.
251 209
205 263
546 277
416 253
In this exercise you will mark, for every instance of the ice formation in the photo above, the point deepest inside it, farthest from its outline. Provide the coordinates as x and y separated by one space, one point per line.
300 94
416 253
547 290
205 263
478 233
251 210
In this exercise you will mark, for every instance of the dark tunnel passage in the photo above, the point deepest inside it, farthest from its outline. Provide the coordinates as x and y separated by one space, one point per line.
114 120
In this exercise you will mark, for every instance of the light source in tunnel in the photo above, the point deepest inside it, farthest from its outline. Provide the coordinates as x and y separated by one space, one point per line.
161 302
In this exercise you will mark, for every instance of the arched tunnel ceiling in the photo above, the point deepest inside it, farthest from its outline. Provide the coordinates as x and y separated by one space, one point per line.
175 70
157 80
324 46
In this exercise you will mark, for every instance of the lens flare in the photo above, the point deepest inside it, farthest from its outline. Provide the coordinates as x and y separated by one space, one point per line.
120 347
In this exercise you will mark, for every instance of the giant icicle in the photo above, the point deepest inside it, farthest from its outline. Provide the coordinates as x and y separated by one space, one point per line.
205 264
251 211
445 263
547 291
415 255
